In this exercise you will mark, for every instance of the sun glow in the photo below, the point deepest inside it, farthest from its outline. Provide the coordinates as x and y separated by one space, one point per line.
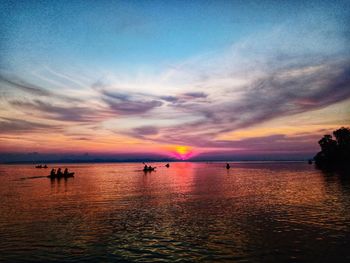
183 152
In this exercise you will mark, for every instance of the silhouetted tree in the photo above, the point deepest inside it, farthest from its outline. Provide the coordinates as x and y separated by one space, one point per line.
334 152
343 137
328 145
343 143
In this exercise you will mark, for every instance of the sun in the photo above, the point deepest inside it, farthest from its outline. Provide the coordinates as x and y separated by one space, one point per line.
183 152
182 149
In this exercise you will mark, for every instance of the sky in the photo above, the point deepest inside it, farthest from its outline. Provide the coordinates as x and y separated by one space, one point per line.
189 80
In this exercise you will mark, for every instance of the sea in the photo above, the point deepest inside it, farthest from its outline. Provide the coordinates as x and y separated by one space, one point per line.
189 212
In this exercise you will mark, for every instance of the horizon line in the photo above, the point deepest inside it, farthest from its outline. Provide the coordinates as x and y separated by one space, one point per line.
151 160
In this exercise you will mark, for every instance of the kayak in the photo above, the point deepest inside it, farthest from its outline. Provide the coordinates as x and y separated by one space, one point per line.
40 166
149 169
61 176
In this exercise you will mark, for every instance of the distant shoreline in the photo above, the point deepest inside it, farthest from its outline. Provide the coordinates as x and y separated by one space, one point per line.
149 161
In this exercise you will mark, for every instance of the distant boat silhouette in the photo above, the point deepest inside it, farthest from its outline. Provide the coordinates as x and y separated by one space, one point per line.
41 166
149 169
228 166
167 165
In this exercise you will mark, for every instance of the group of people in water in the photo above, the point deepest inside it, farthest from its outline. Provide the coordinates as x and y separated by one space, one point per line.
59 173
148 168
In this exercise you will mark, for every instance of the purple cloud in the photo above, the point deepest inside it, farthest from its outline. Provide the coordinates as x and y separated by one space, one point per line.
17 126
126 105
34 89
280 93
195 95
63 113
145 130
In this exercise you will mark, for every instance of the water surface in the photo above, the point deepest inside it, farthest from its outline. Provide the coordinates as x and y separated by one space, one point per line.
188 212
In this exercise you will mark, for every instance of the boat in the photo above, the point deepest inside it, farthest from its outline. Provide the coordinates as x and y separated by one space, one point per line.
69 175
167 165
61 176
41 166
149 169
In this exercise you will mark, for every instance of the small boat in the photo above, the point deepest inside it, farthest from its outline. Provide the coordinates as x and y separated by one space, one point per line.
41 166
68 175
167 165
149 169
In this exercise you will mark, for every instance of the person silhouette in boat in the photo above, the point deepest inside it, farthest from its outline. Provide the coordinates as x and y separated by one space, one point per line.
59 172
228 166
145 168
53 172
65 173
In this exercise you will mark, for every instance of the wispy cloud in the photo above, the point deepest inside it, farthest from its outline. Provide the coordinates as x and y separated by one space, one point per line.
17 126
145 130
50 111
33 90
25 87
124 104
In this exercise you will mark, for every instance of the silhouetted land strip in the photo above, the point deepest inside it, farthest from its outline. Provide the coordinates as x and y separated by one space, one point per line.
165 160
334 154
93 160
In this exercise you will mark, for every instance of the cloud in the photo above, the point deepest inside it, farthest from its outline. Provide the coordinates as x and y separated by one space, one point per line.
169 98
63 113
26 87
34 90
145 130
273 143
280 93
17 126
185 98
301 86
124 104
132 107
195 95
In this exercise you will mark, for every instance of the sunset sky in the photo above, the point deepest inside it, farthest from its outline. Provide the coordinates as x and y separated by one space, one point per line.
180 79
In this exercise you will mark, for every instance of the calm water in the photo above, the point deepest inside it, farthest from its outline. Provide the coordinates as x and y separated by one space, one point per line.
189 212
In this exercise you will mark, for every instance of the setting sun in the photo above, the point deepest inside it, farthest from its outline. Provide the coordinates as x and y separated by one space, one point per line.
183 152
